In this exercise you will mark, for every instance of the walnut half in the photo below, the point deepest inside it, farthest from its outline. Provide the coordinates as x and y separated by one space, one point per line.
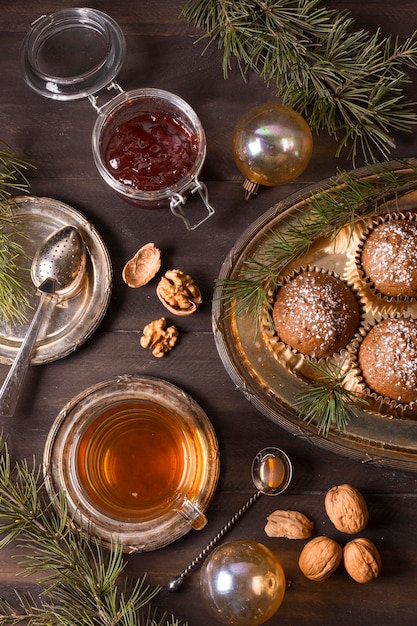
143 266
290 524
159 337
178 293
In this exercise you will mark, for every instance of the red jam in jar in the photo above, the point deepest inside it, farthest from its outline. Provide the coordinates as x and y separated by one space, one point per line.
150 152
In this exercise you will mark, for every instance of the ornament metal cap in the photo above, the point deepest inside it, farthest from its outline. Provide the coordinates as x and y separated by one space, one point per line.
251 188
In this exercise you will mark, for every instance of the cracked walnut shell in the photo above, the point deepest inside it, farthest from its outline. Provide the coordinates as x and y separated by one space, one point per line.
159 337
143 266
319 558
178 293
362 560
347 509
289 524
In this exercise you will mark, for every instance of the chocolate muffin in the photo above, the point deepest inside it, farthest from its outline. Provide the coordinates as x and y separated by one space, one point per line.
389 258
316 314
387 358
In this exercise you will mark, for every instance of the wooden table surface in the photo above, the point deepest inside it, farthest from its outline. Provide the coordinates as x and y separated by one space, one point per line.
161 52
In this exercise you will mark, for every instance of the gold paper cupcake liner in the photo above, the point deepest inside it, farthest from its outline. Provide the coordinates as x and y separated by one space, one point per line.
343 254
287 355
377 403
367 282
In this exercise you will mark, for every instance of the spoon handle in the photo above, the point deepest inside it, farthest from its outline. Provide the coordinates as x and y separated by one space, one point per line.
175 584
9 393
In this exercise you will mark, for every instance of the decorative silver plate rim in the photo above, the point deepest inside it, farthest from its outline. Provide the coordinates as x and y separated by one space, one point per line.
374 440
73 320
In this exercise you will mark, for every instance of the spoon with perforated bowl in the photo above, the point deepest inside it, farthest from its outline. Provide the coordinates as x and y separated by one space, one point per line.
57 270
271 475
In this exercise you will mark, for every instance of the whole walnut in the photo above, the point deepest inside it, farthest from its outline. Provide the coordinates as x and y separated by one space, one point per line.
319 558
362 560
347 509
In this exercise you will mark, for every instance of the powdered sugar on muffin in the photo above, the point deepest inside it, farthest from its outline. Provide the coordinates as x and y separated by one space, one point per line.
316 314
387 358
389 258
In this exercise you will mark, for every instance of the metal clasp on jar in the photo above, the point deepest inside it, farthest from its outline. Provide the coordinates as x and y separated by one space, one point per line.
94 99
177 201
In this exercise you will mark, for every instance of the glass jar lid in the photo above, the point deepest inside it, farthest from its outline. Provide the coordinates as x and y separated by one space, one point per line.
72 53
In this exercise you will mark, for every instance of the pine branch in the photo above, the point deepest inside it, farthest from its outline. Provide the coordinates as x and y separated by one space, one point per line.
77 578
12 173
348 83
327 402
13 278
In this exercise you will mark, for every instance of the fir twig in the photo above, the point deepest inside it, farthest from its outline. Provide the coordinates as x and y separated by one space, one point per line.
79 581
327 402
12 173
346 82
13 278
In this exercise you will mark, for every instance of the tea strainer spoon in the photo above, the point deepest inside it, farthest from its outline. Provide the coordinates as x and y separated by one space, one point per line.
271 475
57 270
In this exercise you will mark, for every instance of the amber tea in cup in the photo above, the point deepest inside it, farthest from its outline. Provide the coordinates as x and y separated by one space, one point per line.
132 462
137 459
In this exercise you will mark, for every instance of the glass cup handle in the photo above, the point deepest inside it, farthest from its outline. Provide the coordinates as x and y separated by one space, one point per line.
177 202
191 513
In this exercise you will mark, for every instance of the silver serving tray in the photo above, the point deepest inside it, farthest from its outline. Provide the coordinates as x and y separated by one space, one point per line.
388 439
73 320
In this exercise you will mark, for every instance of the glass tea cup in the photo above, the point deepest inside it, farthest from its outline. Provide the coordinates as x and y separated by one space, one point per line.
137 460
131 462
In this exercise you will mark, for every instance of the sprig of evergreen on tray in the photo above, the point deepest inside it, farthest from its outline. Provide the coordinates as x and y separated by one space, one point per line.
327 402
347 197
13 286
79 580
347 82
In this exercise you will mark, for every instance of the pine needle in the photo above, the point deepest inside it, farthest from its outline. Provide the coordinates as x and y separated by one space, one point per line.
14 279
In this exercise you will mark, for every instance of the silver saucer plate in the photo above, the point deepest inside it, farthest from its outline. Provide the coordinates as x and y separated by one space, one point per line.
73 320
62 449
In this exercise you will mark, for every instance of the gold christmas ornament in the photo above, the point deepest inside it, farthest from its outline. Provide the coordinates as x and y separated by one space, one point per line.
242 582
272 145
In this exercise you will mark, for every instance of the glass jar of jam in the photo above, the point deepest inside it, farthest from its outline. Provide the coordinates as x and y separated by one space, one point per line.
148 144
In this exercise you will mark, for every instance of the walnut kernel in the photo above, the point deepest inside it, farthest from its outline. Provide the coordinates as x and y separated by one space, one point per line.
347 509
290 524
362 560
178 293
319 558
159 337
